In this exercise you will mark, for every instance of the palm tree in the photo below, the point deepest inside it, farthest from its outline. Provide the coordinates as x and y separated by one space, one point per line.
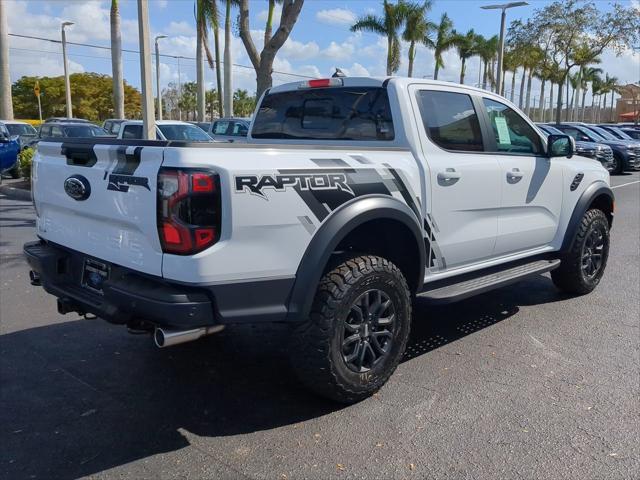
596 90
466 45
445 40
207 16
587 77
487 49
417 30
615 88
609 85
511 64
389 25
531 62
116 61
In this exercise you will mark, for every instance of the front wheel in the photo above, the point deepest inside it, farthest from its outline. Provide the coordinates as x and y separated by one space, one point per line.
582 268
618 165
357 331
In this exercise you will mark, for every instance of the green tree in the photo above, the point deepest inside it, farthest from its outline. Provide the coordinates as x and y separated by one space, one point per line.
244 103
487 50
466 45
207 16
92 96
389 25
445 40
417 30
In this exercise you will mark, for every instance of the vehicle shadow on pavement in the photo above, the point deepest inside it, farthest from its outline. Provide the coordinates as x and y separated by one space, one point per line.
81 397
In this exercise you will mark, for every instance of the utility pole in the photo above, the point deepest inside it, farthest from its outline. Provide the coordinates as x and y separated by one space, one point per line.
6 104
148 118
159 90
67 82
503 18
179 91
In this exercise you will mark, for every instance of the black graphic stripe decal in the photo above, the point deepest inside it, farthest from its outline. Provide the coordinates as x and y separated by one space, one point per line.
331 162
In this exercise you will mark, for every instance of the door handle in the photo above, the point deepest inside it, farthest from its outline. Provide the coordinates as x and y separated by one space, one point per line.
448 177
514 176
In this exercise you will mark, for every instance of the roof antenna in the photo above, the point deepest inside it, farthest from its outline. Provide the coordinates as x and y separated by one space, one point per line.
338 73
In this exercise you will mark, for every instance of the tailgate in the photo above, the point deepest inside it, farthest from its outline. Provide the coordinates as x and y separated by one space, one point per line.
100 200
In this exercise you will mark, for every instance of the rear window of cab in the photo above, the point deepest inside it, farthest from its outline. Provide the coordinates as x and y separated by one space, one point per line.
357 113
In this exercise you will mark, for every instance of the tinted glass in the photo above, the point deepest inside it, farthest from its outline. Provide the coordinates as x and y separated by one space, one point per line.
358 113
550 130
220 128
45 131
450 120
239 129
513 134
56 131
132 131
184 132
21 129
619 133
603 133
84 131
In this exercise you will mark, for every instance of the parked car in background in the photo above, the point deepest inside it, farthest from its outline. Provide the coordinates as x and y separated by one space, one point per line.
9 149
632 132
598 151
66 120
205 126
626 154
112 125
618 132
230 130
71 130
172 130
27 135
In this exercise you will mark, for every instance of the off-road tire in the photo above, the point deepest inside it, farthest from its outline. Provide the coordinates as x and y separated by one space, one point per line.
570 277
317 350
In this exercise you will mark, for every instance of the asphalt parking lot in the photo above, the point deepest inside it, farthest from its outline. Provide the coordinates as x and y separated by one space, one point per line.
523 382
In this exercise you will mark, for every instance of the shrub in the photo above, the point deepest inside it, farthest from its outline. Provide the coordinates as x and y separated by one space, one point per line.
25 157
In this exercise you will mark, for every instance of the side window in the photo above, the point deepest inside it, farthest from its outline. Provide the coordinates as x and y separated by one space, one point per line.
45 131
450 120
575 133
239 130
220 128
132 132
513 134
56 131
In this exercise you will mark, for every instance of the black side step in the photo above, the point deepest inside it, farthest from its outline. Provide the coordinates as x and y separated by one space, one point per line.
484 281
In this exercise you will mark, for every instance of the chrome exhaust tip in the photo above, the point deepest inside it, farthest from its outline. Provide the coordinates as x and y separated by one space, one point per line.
167 338
34 278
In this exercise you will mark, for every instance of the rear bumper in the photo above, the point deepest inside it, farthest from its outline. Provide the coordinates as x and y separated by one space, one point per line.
127 297
130 297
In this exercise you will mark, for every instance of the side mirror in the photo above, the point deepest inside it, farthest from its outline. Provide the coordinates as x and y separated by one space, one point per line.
560 146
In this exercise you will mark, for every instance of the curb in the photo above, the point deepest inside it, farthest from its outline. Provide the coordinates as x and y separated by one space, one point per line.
15 193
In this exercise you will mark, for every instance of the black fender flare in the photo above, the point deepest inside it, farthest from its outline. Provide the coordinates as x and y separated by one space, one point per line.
332 231
592 192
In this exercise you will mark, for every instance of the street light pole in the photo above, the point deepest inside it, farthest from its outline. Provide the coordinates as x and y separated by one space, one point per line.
503 18
67 82
159 92
148 119
6 105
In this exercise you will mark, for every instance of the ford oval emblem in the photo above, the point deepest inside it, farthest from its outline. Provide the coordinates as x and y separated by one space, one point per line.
77 187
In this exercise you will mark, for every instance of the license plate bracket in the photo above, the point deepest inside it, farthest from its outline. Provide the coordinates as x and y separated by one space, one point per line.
94 274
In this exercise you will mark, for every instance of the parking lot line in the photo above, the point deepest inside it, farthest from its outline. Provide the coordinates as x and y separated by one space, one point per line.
625 184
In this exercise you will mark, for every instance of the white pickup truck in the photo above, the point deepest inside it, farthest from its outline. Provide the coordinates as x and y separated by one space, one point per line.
352 197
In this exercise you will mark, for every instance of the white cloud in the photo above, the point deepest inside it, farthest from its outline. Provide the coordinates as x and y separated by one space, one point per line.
299 51
181 28
335 16
342 51
355 70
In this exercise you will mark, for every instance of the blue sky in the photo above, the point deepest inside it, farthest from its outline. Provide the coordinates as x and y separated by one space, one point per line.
320 41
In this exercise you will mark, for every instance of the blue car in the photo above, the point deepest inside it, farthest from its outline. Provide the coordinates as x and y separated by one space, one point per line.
9 148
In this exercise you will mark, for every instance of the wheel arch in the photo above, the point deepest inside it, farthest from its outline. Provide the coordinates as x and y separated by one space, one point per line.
354 220
597 195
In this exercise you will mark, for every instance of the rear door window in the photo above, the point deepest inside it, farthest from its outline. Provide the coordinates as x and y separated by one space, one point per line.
450 120
512 132
344 113
239 129
56 131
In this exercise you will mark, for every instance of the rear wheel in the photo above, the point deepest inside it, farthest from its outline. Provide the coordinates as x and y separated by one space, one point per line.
582 268
357 331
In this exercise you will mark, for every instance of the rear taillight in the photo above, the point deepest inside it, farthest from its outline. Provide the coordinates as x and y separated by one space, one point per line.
188 210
